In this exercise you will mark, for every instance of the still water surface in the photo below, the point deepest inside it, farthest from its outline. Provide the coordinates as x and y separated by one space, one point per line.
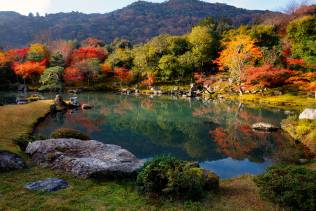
217 134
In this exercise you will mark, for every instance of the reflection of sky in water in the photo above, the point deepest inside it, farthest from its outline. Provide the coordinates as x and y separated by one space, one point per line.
216 134
228 168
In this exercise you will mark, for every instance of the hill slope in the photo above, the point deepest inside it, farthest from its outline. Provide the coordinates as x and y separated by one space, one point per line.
137 22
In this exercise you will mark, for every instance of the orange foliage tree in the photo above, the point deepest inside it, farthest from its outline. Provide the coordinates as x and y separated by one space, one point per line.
27 69
17 55
106 68
124 75
266 76
151 79
4 60
85 53
240 51
73 75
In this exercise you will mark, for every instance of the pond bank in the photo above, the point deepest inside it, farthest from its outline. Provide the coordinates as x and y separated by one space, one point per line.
236 194
17 120
285 102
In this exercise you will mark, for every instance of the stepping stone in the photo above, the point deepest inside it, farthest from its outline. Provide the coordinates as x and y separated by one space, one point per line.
261 126
47 185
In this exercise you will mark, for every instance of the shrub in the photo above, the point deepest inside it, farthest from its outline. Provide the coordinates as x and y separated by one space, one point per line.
69 133
24 140
290 186
175 179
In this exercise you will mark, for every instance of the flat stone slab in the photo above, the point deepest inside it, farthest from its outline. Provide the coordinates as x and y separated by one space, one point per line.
308 113
10 161
84 159
47 185
262 126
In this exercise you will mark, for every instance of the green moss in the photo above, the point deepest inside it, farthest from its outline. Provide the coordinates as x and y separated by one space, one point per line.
301 130
17 120
287 101
69 133
236 194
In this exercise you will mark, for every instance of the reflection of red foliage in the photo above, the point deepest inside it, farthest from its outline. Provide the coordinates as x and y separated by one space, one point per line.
73 75
236 144
147 104
89 124
201 111
123 107
219 133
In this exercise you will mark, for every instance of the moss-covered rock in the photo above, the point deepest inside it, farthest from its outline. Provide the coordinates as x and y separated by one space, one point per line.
301 130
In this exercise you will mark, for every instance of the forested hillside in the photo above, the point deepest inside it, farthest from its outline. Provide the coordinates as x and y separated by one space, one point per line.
137 22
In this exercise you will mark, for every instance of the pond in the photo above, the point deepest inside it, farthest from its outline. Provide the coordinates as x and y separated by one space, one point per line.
217 134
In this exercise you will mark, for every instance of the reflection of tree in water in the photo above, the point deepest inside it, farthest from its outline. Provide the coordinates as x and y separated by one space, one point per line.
239 141
169 124
194 130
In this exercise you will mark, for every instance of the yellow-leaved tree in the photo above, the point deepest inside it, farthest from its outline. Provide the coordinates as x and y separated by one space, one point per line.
239 52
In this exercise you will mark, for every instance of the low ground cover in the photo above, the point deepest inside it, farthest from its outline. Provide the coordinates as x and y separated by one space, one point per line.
17 120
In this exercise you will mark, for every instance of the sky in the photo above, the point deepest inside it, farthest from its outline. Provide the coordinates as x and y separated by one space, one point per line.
103 6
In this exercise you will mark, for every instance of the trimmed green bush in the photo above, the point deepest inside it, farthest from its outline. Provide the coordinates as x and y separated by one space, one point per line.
176 179
24 140
69 133
289 186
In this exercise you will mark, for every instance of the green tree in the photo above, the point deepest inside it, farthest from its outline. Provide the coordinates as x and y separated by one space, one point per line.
57 59
205 45
178 45
51 79
264 35
168 65
120 58
302 35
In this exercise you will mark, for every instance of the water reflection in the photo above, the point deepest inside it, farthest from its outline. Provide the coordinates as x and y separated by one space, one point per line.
218 134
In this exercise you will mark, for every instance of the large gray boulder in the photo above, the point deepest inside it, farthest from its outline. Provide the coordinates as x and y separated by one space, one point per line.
308 114
84 159
10 161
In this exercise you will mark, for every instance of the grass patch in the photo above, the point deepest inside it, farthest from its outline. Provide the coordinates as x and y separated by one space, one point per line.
236 194
286 101
17 120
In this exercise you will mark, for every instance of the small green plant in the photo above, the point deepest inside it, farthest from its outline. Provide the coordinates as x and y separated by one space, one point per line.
176 179
24 140
69 133
290 186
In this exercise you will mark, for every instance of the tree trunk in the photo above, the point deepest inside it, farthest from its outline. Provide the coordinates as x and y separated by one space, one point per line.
240 90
